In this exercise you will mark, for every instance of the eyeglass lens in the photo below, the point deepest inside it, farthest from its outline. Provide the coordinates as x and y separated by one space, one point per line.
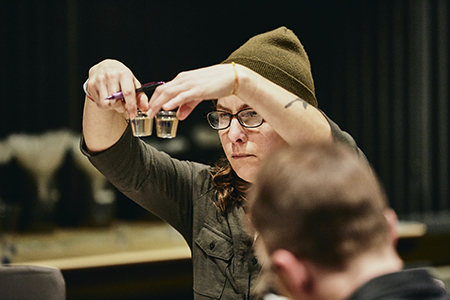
247 118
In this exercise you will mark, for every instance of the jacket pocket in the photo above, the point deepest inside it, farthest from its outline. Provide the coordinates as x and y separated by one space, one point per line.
211 258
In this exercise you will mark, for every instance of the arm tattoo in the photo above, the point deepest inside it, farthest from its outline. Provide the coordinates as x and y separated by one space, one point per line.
305 104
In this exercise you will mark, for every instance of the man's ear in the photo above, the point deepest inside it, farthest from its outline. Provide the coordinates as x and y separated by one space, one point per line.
292 272
392 221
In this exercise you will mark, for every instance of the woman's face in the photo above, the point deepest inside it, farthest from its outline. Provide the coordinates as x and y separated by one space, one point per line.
246 148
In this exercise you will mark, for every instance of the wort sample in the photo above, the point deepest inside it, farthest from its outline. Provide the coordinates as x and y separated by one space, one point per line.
142 125
166 124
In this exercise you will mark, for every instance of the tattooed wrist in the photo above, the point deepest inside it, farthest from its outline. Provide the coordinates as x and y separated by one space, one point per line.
305 104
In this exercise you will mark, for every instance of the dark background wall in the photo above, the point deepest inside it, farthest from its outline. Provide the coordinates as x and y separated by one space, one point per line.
381 70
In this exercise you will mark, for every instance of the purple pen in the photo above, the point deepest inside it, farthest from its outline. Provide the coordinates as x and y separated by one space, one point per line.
144 88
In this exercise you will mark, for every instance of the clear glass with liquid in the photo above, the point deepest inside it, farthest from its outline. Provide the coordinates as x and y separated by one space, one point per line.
142 125
166 124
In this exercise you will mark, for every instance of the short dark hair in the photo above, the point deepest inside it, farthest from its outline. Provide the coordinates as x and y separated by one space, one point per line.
320 201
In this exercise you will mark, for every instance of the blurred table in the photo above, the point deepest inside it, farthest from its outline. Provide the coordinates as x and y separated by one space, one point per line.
411 229
121 243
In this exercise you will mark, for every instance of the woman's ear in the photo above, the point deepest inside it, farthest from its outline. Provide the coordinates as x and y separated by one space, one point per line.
392 220
292 272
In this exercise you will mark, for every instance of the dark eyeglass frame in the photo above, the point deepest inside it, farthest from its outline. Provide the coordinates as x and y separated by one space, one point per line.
236 115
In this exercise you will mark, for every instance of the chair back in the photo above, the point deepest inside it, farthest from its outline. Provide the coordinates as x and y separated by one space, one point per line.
19 282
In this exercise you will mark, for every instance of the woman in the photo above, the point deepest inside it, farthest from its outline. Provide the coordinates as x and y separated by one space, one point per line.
265 100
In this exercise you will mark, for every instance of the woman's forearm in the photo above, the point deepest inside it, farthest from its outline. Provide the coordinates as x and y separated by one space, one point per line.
293 118
101 128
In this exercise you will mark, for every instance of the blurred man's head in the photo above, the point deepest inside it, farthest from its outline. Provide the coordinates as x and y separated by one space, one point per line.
322 204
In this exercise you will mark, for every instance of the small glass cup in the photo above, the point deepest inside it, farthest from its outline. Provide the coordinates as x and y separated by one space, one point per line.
142 125
166 124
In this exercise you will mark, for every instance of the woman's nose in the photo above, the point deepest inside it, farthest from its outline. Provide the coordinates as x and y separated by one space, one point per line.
236 132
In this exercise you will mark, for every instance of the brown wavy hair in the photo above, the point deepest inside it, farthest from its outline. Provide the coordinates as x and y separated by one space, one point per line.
230 188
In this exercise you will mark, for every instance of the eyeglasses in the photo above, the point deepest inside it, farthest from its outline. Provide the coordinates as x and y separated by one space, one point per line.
222 120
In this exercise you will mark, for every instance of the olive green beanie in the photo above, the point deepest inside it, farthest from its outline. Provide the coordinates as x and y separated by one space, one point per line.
278 56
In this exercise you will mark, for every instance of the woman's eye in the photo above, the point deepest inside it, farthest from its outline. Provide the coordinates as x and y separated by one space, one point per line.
223 115
250 114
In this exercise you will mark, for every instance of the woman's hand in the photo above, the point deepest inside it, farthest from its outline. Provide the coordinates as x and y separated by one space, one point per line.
190 88
111 76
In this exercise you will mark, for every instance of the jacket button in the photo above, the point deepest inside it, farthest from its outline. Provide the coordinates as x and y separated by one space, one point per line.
254 261
211 246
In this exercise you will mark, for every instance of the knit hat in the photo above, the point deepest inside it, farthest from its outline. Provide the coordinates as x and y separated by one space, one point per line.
278 56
